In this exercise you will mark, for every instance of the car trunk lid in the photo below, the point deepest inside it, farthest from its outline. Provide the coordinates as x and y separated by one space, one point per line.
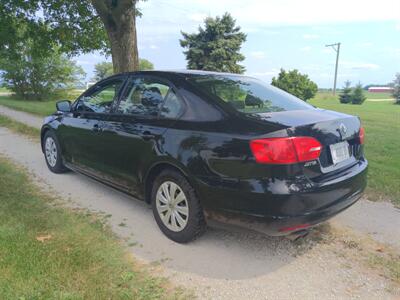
336 132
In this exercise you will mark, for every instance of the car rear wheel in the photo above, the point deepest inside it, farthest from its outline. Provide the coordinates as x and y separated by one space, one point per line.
176 207
52 153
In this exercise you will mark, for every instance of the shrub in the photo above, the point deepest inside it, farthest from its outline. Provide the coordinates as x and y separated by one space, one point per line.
345 96
396 88
358 96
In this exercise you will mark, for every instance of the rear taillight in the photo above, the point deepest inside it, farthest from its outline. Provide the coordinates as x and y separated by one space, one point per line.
361 135
286 150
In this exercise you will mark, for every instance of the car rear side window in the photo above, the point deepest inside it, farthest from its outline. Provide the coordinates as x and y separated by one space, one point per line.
246 94
143 96
172 106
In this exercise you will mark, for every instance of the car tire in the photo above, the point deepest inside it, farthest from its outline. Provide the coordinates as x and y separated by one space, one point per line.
179 216
52 153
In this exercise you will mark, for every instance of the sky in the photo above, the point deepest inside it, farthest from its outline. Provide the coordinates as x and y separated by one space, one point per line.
285 34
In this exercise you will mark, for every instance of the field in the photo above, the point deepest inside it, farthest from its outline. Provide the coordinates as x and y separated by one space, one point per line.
381 121
378 95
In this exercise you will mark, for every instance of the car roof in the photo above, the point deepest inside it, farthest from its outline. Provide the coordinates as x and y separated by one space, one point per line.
183 72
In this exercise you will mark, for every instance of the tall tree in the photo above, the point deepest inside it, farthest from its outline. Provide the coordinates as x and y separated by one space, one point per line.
119 19
296 84
216 46
105 69
76 26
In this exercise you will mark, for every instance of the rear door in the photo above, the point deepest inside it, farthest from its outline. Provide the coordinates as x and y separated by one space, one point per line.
82 130
134 130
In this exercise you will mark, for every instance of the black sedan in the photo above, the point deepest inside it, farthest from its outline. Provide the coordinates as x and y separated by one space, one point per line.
198 145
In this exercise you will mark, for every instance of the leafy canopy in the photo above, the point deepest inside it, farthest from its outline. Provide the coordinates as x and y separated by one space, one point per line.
145 64
72 25
33 66
216 46
105 69
296 84
33 76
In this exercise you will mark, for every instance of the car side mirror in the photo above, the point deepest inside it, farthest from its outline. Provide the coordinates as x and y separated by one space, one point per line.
64 106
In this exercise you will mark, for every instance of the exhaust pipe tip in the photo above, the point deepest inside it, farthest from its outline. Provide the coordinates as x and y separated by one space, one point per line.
298 235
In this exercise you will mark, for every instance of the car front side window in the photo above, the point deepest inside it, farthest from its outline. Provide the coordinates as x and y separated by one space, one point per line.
100 98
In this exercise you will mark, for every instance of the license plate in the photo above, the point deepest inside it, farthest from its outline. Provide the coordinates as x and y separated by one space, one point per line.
340 152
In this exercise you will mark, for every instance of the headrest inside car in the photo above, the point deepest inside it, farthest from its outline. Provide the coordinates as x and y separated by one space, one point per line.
151 96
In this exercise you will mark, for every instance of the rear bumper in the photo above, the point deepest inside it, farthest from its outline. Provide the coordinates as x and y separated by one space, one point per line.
282 207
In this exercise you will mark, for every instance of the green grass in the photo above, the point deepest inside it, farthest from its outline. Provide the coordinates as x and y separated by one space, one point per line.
381 121
40 108
81 259
328 95
19 127
378 95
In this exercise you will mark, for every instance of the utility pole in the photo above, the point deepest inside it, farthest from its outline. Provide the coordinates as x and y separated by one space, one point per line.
335 47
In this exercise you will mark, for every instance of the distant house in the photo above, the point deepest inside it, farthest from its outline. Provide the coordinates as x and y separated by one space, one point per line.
380 89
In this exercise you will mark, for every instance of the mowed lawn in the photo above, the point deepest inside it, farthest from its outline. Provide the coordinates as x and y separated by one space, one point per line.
40 108
381 121
48 252
370 96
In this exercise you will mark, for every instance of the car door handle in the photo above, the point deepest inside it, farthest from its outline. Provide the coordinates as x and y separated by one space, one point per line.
146 135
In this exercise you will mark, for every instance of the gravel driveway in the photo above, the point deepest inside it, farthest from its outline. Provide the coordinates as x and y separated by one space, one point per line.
226 263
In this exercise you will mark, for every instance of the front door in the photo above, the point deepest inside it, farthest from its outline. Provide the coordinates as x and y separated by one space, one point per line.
82 130
134 132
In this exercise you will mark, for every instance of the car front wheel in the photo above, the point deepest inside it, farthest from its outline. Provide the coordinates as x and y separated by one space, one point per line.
52 153
176 207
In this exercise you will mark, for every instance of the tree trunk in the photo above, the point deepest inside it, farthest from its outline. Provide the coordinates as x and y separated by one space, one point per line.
119 18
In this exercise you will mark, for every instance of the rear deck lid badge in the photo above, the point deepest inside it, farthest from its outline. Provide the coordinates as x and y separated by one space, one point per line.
342 129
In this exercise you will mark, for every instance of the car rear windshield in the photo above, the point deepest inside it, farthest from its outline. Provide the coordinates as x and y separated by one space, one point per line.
246 94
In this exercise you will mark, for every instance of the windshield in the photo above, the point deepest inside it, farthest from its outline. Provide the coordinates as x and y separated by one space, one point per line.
246 94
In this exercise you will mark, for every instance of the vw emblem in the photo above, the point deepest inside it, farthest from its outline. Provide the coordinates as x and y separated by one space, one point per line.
343 129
